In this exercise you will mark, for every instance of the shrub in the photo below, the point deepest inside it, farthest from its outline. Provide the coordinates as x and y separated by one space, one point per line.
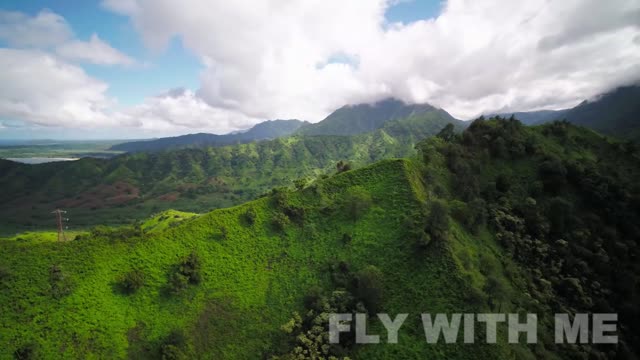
26 352
301 183
60 284
190 268
343 166
438 221
357 201
368 288
346 238
187 272
171 347
5 274
224 232
132 281
178 282
496 291
250 216
280 221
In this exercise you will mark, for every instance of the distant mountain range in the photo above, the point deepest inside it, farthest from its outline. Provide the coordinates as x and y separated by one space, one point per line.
346 121
267 130
616 113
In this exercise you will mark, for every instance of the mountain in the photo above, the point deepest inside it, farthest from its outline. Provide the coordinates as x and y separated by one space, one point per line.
197 179
362 118
270 129
616 113
502 219
535 117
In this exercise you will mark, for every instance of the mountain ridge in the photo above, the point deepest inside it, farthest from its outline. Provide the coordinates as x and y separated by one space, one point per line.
615 113
265 130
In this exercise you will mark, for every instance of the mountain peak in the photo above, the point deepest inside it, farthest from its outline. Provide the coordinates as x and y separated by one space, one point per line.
361 118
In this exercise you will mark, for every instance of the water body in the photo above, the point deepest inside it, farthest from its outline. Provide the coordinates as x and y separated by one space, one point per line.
40 160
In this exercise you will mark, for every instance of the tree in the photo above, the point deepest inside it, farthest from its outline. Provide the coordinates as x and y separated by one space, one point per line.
503 183
447 133
559 214
553 175
343 166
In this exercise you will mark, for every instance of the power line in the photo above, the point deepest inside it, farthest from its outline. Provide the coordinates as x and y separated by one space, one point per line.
59 213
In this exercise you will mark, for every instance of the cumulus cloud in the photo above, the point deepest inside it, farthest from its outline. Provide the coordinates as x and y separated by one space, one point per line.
44 90
94 51
305 58
181 110
50 31
261 57
43 30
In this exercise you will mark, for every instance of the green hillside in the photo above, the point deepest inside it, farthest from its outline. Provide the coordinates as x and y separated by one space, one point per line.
255 265
363 118
503 218
135 186
270 129
615 113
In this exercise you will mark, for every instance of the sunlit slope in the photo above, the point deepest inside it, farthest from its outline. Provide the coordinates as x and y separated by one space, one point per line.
257 263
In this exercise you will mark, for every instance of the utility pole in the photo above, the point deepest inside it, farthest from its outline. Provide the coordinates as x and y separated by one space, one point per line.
59 213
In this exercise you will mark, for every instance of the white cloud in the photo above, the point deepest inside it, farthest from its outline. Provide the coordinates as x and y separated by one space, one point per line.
49 31
276 59
94 51
42 89
182 111
262 57
43 30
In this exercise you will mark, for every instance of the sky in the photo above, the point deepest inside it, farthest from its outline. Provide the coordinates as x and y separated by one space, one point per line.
117 69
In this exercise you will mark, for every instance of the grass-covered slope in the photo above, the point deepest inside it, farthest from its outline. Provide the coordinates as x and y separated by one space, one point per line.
501 219
116 294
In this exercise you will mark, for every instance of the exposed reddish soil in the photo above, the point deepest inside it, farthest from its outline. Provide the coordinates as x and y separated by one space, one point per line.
172 196
102 196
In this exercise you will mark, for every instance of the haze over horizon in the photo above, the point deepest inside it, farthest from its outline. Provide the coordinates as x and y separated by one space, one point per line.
122 69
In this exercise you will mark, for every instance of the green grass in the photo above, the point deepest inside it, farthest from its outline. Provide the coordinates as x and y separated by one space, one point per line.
254 277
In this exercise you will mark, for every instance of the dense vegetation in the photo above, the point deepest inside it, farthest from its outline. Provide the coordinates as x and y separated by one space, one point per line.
614 113
563 203
134 186
363 118
501 218
266 130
